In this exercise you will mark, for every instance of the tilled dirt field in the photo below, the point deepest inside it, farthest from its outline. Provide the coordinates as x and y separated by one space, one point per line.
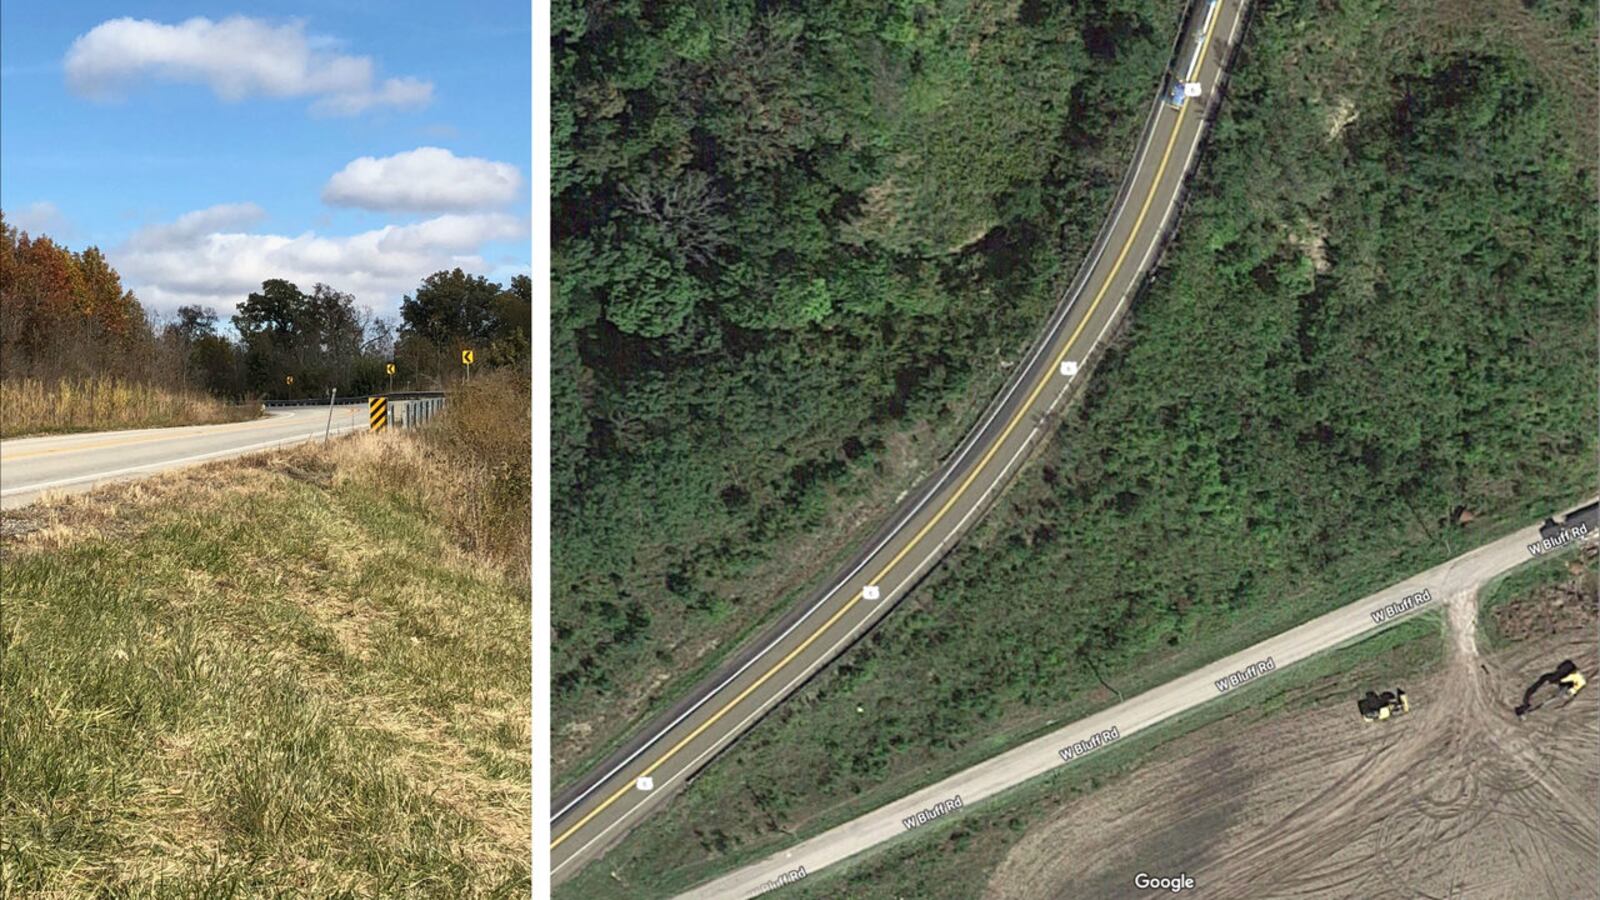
1457 800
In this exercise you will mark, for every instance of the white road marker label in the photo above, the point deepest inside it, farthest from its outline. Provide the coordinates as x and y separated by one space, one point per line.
1069 368
645 783
870 592
1191 89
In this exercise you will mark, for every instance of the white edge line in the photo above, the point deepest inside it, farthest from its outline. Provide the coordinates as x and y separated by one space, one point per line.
1439 578
1060 317
164 464
915 572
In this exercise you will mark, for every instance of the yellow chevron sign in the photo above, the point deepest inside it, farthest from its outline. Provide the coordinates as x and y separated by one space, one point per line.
378 413
466 357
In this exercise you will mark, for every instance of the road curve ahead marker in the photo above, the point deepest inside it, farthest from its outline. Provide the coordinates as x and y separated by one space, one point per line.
378 412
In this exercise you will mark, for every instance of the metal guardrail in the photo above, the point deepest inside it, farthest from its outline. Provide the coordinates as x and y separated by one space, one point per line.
356 399
416 412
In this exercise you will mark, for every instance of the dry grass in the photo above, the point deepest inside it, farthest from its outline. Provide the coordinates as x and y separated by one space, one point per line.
31 406
483 445
288 675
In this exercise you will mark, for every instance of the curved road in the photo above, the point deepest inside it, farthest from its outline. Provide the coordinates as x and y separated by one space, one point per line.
78 462
592 814
1453 581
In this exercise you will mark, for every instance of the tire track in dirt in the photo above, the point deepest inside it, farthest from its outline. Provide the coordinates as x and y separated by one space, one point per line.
1429 819
1459 799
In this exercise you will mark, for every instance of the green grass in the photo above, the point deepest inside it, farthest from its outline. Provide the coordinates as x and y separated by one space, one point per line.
268 677
1338 360
955 856
951 856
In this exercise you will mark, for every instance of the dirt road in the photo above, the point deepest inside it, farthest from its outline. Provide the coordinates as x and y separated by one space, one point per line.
1457 800
1460 577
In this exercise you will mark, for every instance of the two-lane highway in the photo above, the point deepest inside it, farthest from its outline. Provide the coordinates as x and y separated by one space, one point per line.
595 812
75 462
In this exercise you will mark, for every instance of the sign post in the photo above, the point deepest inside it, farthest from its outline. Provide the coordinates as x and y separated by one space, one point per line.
466 360
332 393
390 369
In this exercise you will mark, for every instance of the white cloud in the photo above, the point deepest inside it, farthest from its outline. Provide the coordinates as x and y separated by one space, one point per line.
403 93
193 225
40 219
203 257
237 57
427 179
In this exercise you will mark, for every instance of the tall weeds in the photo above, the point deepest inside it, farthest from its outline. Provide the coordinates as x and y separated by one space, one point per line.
100 403
470 468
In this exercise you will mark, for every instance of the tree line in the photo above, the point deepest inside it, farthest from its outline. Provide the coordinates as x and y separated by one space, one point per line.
66 314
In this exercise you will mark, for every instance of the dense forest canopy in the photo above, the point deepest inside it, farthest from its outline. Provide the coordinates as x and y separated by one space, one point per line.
1371 346
783 234
65 314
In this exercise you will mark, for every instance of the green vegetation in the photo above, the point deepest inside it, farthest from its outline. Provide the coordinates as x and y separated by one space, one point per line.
298 674
953 857
1371 348
323 341
794 250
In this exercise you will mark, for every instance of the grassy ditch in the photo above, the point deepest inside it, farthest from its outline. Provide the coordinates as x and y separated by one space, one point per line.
967 846
960 854
955 856
1331 383
30 406
302 673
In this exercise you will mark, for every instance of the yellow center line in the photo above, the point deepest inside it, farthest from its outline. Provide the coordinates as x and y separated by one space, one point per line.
1038 388
128 442
1105 286
711 721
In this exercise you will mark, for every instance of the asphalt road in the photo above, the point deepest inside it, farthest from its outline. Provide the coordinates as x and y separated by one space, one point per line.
1462 576
77 462
592 814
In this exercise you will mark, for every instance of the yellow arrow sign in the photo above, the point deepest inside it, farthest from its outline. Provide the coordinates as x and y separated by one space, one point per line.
389 368
288 379
466 357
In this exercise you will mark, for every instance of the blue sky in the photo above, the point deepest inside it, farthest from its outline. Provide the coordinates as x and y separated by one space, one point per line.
198 154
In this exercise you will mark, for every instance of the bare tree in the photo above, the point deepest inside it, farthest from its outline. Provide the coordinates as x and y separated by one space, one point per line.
686 207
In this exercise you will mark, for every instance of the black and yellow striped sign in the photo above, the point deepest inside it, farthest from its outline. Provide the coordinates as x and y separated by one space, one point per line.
378 412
